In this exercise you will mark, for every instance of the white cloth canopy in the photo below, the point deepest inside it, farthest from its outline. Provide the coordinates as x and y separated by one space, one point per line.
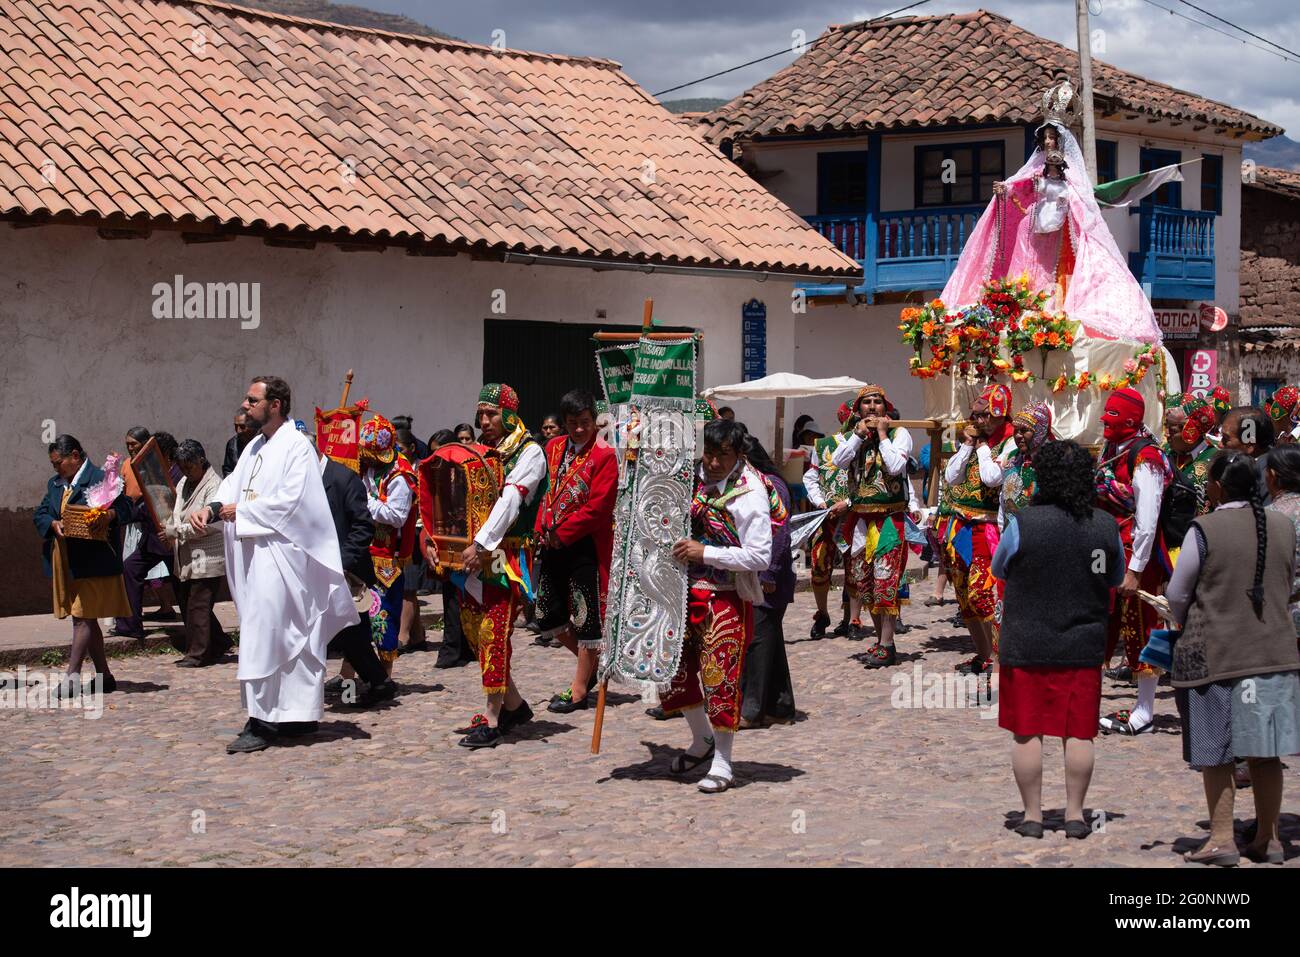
783 385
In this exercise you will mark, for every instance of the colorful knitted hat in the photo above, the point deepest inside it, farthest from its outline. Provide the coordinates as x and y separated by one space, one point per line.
378 440
998 396
1221 400
1282 406
1038 417
843 412
1200 419
498 395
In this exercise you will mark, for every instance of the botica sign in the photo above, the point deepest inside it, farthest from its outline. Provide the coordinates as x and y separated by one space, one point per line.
1187 324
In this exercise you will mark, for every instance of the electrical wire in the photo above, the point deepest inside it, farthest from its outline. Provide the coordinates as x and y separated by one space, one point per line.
1225 33
806 46
1235 27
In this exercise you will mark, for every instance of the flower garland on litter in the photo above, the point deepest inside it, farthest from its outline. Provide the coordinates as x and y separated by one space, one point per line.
967 342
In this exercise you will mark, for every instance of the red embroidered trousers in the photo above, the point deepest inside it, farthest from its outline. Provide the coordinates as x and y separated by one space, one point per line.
488 625
720 628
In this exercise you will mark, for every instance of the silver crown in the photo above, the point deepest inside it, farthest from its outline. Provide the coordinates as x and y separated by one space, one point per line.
1061 104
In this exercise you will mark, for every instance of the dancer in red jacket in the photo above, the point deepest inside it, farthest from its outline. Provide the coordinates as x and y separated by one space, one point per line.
575 526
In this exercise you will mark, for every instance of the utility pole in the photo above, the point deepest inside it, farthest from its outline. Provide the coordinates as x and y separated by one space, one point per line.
1085 94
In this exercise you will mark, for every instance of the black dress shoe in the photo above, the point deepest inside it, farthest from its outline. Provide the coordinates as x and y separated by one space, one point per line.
484 736
190 663
104 683
1078 830
513 719
296 729
374 694
657 712
256 736
562 705
841 630
1030 829
418 646
335 684
821 621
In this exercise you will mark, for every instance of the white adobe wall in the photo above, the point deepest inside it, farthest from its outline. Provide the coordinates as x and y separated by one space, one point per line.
84 351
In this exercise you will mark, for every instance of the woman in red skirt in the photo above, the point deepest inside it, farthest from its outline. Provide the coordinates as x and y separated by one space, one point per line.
1059 558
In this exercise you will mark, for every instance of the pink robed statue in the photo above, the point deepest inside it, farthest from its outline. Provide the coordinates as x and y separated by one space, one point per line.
1044 221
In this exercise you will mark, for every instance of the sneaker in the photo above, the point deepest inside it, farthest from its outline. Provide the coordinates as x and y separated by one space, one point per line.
821 621
881 656
484 736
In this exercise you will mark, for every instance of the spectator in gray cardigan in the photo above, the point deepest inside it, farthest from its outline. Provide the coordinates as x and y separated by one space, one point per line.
1060 558
200 559
1236 669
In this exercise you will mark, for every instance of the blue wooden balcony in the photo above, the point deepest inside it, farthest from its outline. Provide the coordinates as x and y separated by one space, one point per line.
1175 256
907 251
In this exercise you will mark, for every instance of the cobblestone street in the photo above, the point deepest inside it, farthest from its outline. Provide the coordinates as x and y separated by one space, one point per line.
855 781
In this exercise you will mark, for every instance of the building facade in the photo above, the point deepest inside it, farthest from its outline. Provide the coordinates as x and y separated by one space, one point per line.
891 152
316 198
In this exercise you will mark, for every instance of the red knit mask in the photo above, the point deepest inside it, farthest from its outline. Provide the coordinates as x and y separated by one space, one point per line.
1123 415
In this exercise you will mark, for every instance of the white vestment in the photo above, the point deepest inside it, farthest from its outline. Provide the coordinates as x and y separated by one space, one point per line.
285 574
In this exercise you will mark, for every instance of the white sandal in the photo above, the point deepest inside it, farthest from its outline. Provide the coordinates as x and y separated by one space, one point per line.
721 784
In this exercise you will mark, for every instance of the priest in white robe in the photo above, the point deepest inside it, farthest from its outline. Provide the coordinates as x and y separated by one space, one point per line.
284 569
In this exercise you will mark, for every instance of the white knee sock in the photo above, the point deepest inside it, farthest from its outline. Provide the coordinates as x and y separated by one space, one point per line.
723 740
698 719
1143 712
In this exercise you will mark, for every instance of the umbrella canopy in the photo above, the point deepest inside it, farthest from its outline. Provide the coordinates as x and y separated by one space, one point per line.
783 385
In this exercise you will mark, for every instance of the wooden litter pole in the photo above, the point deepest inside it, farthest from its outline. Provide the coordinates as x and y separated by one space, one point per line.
347 387
778 448
600 718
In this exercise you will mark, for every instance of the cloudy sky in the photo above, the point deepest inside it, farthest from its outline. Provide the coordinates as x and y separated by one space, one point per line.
670 42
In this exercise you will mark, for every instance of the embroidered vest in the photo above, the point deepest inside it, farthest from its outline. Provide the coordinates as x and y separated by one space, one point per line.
971 498
834 481
523 527
1018 484
391 548
1196 471
567 489
713 524
872 488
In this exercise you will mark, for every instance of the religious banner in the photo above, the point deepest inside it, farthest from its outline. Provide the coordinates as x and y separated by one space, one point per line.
645 619
338 434
615 365
664 371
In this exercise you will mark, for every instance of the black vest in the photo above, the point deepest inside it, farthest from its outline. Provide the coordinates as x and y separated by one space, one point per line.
1057 598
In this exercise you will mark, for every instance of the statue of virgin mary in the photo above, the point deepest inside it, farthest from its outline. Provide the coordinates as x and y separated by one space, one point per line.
1044 222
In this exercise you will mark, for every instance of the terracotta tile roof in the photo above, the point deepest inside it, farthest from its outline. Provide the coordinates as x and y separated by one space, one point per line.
190 112
1283 181
967 68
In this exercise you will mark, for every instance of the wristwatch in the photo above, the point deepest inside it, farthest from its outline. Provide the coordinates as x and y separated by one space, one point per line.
214 511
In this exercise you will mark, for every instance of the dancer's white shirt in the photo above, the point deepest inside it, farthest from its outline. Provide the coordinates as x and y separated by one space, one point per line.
282 558
894 454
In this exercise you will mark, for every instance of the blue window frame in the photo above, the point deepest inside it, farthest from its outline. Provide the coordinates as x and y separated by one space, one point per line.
1261 390
842 183
1107 161
1212 183
975 168
1170 194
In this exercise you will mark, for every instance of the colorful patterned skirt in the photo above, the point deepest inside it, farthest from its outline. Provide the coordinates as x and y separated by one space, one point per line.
873 573
968 548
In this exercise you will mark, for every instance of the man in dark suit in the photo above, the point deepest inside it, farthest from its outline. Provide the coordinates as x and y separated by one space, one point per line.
244 432
346 494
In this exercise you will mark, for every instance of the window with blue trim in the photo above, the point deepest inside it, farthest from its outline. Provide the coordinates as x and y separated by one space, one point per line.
1170 194
842 183
974 167
1107 161
1212 183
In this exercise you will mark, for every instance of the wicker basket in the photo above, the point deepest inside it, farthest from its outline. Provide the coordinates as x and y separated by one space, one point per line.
80 521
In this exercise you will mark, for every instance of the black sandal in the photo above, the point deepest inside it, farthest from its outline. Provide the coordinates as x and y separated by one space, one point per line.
686 762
